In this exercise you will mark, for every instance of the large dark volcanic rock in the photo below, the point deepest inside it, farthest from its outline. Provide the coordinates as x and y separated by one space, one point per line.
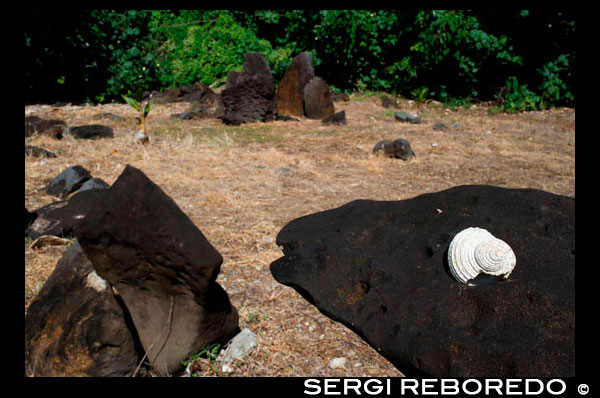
249 96
380 268
163 267
75 325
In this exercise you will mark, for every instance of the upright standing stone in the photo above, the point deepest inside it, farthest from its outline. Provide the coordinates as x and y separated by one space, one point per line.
317 99
250 95
290 92
162 266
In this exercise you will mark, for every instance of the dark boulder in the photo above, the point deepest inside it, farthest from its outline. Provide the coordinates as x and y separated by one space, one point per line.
317 99
75 325
59 218
250 96
69 181
388 102
92 131
338 118
50 127
29 218
399 149
380 268
290 91
163 267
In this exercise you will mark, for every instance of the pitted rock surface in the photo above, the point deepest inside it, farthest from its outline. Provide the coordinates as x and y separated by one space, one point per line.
380 268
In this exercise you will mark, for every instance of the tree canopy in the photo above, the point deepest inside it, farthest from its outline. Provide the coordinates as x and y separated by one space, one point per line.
527 56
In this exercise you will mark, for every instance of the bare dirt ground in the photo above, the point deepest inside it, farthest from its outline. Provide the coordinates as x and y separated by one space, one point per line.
240 185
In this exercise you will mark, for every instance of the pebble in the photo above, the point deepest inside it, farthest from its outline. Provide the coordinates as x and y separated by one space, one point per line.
239 347
267 239
338 363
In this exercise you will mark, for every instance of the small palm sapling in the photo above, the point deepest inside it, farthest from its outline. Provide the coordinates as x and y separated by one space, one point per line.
138 104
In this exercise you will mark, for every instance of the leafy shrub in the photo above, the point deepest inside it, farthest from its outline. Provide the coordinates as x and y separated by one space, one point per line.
518 97
210 51
553 88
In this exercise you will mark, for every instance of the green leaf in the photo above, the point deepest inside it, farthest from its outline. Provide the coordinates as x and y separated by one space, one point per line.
147 109
133 103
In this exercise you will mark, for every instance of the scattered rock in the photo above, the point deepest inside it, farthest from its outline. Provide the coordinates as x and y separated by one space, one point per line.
399 149
29 218
163 267
53 127
380 268
188 115
317 99
69 181
290 91
92 131
38 152
110 116
388 102
73 328
250 96
237 349
447 126
338 118
59 218
93 183
406 117
338 363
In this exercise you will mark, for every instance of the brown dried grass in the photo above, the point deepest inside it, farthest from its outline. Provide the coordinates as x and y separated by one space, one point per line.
241 185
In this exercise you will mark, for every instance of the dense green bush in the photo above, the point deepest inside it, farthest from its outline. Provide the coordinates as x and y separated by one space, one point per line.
208 52
527 56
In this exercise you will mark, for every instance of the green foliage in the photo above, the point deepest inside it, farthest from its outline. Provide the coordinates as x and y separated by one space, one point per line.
126 44
553 87
419 95
208 52
137 103
519 97
459 55
209 352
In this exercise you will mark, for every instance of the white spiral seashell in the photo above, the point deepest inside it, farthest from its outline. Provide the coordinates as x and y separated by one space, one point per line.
474 251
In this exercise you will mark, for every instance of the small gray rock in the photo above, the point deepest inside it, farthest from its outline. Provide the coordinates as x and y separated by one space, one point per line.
93 183
406 117
69 181
447 126
240 346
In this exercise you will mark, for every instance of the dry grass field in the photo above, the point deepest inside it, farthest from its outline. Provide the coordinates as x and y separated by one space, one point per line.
241 184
